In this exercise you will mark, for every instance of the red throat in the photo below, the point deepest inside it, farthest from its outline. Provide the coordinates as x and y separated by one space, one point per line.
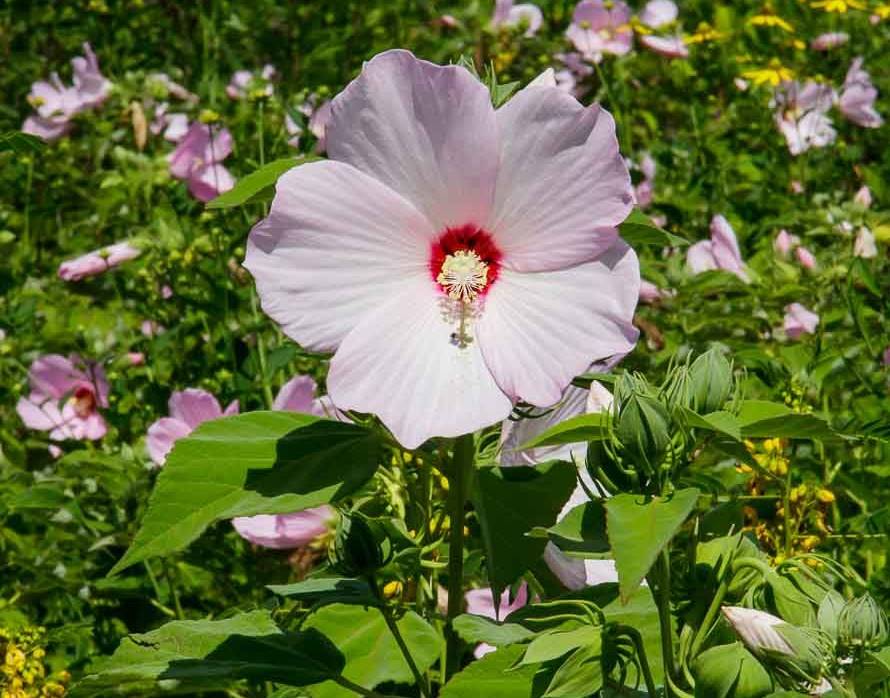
469 238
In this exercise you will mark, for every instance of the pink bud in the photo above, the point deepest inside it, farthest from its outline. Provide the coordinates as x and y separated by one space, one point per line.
136 358
806 258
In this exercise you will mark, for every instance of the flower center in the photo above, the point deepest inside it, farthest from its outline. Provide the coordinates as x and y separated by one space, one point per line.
84 402
463 275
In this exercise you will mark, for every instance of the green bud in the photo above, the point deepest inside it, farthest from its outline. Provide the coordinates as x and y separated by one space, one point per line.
677 389
711 382
643 430
360 546
812 652
862 623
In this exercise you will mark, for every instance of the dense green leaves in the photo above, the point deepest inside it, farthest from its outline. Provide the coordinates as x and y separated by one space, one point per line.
489 677
509 502
186 655
258 463
372 655
639 530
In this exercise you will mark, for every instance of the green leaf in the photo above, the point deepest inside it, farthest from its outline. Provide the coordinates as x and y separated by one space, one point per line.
255 463
582 529
259 184
328 590
581 675
21 143
501 92
875 668
638 229
552 645
730 671
720 422
791 604
475 629
372 655
207 654
639 531
509 502
39 497
760 418
583 427
488 678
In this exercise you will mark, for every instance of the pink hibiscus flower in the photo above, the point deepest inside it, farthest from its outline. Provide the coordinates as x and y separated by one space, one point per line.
596 30
66 394
801 115
799 320
55 104
509 15
243 81
667 46
720 252
189 409
92 87
858 97
98 261
447 248
823 42
806 258
658 13
197 159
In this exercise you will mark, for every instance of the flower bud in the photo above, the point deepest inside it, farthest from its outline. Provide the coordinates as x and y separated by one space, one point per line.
711 382
862 623
643 431
360 546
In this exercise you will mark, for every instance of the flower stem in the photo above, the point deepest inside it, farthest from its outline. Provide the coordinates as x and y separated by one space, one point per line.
459 478
400 641
659 579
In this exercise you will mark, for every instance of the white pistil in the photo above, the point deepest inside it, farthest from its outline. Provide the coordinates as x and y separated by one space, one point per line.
463 275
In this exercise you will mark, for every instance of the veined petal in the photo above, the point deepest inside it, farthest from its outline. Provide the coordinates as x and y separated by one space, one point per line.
562 185
426 131
162 435
194 406
402 364
297 395
336 246
538 331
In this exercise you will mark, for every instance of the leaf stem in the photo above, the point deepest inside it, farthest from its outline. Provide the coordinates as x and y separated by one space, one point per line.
403 646
357 688
458 488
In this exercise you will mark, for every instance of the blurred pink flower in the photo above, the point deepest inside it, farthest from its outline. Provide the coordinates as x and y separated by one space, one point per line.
858 97
650 293
66 394
596 30
799 320
785 242
643 192
189 408
98 261
420 215
55 104
166 292
806 258
823 42
864 245
173 125
197 159
174 89
150 328
801 115
797 187
863 196
480 602
136 358
294 131
318 125
720 252
244 82
886 358
285 531
449 21
667 46
658 13
509 15
92 87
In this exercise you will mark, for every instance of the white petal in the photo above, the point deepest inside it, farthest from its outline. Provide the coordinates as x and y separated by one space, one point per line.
335 246
562 185
426 131
538 331
400 363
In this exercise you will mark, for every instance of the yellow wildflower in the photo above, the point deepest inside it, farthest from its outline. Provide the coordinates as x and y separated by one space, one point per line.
705 32
840 6
392 589
825 496
770 20
771 75
882 10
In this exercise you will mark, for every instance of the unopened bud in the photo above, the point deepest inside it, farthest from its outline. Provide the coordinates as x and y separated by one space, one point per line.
862 623
360 547
643 430
711 382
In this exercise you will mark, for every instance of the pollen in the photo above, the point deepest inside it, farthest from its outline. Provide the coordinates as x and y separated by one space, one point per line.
463 275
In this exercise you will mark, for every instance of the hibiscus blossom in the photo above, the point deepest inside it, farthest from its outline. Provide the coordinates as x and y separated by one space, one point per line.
801 115
453 257
98 261
509 15
189 409
799 321
720 252
596 29
197 159
66 394
858 97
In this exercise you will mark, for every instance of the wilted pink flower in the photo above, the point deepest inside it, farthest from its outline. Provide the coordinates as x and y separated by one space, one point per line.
189 409
98 261
480 602
285 531
799 320
858 97
174 89
509 15
596 30
667 46
863 196
452 241
658 13
801 115
244 82
66 394
92 87
318 125
806 258
785 242
196 159
720 252
757 629
823 42
864 245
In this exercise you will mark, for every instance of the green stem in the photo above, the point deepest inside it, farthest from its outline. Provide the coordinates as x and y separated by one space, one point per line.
709 618
640 648
659 579
356 688
173 593
400 641
261 351
459 478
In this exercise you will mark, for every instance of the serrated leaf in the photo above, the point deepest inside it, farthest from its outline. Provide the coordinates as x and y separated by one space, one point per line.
255 463
638 531
638 229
